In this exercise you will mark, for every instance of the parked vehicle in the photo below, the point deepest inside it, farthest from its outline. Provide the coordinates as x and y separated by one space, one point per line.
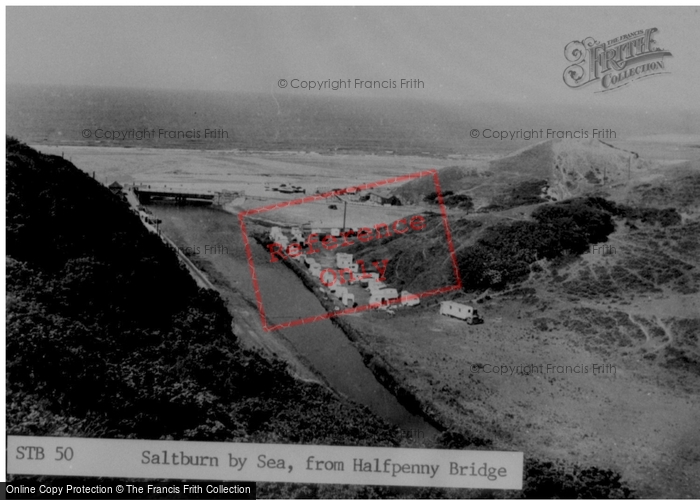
460 311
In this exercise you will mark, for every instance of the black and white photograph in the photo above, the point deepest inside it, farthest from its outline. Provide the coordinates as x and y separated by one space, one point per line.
322 251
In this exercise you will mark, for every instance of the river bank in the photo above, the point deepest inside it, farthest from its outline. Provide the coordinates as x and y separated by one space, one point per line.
322 346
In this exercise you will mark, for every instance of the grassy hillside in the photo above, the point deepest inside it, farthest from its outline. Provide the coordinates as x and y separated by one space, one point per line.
676 186
549 170
587 281
493 253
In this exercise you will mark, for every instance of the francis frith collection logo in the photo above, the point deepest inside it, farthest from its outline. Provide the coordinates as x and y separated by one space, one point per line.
615 63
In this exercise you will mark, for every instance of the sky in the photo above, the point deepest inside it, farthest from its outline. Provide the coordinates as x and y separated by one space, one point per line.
491 54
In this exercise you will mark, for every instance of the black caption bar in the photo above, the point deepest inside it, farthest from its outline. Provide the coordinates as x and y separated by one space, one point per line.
124 490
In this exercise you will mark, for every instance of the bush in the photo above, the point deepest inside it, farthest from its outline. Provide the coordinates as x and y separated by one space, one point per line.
557 480
504 253
451 199
527 193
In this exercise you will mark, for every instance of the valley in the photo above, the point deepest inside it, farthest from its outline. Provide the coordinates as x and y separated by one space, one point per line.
633 309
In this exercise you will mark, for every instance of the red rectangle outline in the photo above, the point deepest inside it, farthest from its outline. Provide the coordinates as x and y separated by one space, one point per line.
327 315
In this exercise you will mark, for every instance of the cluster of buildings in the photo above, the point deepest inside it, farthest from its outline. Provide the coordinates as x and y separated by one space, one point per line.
346 272
336 281
379 196
383 198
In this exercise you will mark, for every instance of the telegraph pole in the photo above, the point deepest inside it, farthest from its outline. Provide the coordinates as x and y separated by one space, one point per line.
345 211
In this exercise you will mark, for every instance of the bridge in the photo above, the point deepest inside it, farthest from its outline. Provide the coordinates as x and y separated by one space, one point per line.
146 194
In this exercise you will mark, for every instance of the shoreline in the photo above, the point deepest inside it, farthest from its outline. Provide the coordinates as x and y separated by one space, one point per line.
272 151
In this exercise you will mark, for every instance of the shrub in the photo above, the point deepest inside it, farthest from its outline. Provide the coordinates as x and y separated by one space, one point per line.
504 253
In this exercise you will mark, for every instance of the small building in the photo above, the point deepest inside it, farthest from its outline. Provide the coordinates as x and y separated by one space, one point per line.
372 277
383 296
409 299
116 188
348 299
376 285
384 199
343 260
459 311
